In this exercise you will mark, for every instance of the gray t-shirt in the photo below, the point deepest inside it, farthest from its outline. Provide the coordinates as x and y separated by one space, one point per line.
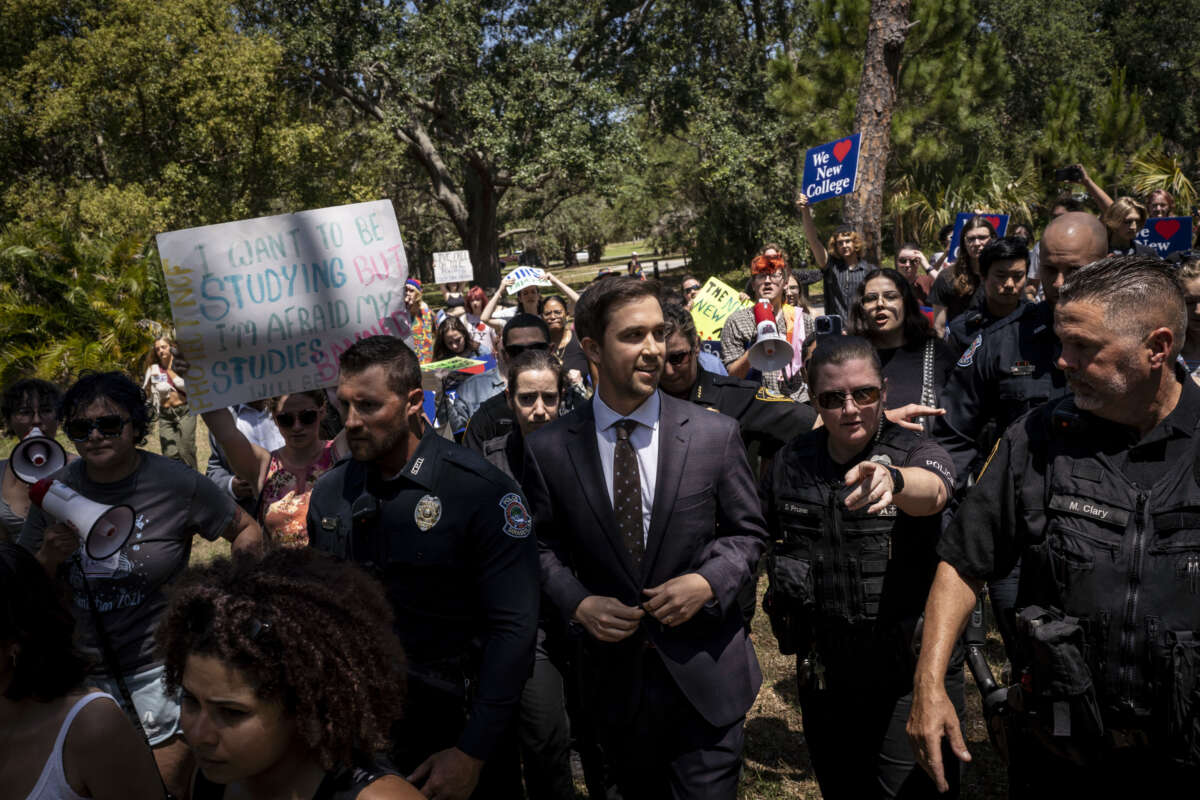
171 503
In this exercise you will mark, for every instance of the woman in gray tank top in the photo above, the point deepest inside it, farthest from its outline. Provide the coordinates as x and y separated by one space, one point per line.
27 404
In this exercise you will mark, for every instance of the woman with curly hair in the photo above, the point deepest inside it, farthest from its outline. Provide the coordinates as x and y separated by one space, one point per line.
25 405
59 742
291 677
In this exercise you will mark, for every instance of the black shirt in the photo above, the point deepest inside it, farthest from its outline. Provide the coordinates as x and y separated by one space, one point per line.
989 531
493 418
943 293
767 418
841 285
451 539
904 371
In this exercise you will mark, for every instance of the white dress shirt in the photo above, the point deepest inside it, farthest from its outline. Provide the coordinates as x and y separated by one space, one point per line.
644 439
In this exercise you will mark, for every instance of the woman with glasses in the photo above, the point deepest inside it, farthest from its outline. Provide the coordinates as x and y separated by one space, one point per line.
915 362
957 287
27 404
854 512
167 390
117 601
282 479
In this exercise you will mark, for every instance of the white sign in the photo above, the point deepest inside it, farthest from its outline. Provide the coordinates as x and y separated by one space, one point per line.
453 267
265 306
524 277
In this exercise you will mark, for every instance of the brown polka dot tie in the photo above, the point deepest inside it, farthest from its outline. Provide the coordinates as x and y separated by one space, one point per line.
627 492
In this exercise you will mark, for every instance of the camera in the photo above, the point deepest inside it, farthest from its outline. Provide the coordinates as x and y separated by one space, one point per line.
1073 174
828 325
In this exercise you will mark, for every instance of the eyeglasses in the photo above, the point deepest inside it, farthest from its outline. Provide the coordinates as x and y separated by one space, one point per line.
679 359
862 396
514 350
776 276
287 419
110 427
691 289
44 412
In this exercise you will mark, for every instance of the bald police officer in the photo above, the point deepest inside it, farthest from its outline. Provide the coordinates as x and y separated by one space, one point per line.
450 538
1099 495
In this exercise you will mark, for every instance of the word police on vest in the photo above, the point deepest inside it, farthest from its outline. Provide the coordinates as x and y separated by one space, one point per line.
102 530
36 457
771 351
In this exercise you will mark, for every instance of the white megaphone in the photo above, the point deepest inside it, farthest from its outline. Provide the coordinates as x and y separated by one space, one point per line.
771 351
103 530
36 457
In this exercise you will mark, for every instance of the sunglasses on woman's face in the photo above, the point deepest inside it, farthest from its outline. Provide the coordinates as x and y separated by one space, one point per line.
862 396
695 287
110 427
287 419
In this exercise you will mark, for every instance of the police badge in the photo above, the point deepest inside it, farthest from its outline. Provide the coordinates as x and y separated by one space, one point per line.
428 512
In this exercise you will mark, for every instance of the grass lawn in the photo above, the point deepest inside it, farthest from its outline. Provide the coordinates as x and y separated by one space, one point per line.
777 762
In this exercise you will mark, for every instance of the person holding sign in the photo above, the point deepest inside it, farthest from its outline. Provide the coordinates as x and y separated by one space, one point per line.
1124 218
165 388
840 261
282 479
956 287
529 294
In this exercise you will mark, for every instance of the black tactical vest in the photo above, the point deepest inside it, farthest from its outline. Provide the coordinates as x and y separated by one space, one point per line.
849 584
1124 561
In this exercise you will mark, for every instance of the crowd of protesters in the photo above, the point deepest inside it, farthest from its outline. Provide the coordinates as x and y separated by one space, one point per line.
562 558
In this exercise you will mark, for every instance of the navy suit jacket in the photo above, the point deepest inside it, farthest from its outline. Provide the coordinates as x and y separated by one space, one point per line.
706 518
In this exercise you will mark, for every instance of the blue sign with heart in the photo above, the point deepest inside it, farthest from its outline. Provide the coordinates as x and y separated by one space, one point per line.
831 170
1166 235
999 222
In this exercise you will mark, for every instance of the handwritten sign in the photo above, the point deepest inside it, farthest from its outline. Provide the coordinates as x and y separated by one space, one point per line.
1166 235
453 267
265 306
712 306
831 170
524 277
999 222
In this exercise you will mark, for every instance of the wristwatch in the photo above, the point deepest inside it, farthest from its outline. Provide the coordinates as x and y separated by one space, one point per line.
897 480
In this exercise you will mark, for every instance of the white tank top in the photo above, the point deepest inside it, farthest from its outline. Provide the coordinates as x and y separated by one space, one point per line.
52 783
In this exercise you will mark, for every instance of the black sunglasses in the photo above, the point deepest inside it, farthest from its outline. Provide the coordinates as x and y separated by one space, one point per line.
678 359
110 427
287 419
691 289
514 350
862 396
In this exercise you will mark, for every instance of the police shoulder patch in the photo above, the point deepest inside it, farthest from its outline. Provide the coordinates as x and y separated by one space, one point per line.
517 523
968 356
771 396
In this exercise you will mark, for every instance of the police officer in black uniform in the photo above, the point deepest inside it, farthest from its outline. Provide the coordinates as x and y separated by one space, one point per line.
1011 370
450 538
1099 496
853 508
1004 264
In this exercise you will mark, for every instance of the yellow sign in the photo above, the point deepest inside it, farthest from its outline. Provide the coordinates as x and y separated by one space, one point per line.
713 305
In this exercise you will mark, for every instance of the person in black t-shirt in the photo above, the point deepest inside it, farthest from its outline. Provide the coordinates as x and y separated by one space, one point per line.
956 287
290 675
915 362
841 260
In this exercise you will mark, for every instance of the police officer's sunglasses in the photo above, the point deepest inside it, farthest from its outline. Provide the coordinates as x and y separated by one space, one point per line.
862 396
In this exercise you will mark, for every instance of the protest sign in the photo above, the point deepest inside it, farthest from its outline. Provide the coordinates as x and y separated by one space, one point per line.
999 222
1166 235
831 170
524 277
453 267
457 364
265 306
712 306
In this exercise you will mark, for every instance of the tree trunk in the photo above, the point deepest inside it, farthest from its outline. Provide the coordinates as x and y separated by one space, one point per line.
482 237
873 118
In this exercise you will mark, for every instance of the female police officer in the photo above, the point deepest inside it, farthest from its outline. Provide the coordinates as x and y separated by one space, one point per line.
854 511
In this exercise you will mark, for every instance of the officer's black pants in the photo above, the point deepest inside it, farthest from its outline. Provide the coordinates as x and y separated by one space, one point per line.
860 748
545 732
1003 594
1034 773
433 721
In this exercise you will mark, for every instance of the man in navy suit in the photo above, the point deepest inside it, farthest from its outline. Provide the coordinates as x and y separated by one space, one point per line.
649 523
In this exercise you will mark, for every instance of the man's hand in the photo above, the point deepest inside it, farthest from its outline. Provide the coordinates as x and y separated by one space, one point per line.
241 489
873 484
908 416
676 601
447 775
802 202
931 718
59 541
607 618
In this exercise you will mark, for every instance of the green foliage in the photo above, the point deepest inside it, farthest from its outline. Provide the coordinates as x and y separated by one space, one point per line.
71 302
